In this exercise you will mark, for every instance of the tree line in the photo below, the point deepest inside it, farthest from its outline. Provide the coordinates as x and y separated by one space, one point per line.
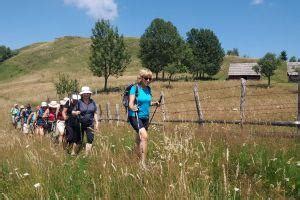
6 53
162 50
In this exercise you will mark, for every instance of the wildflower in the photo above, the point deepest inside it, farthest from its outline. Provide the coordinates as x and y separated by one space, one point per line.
113 146
235 109
16 169
287 179
26 174
27 146
274 159
236 189
10 173
37 185
180 164
298 163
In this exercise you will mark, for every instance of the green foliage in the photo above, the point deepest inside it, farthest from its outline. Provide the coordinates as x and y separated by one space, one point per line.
207 51
160 45
293 59
65 86
6 53
267 66
109 56
283 56
233 52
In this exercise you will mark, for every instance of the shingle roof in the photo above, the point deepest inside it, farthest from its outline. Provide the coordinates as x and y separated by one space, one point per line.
236 69
291 68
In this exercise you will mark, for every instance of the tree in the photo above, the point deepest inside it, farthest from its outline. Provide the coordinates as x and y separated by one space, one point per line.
233 52
173 69
266 66
293 59
6 53
283 56
298 60
160 45
207 51
109 56
65 86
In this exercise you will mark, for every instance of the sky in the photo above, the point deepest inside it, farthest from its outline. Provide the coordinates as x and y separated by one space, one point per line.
255 27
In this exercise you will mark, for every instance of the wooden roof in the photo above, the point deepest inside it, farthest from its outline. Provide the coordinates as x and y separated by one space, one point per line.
244 69
291 68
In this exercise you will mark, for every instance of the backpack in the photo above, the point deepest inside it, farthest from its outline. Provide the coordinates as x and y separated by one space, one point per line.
126 93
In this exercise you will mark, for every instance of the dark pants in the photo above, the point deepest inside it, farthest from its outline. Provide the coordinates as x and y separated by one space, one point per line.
143 123
89 133
73 134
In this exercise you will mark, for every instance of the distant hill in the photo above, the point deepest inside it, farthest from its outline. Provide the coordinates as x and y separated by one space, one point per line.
71 54
66 54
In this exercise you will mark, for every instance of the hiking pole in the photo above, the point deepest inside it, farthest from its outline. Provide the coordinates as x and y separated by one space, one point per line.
160 98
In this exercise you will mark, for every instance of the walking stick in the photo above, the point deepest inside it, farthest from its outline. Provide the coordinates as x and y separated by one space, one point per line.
160 98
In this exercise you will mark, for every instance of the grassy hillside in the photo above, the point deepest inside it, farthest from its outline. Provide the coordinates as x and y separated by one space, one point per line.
66 54
71 54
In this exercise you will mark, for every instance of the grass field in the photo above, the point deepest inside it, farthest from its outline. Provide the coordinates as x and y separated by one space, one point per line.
186 161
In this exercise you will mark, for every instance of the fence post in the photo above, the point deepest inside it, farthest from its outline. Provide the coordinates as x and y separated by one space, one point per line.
298 114
242 102
198 105
99 112
96 91
163 106
108 116
117 114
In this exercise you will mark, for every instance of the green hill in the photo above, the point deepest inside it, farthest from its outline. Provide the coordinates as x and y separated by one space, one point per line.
63 54
71 54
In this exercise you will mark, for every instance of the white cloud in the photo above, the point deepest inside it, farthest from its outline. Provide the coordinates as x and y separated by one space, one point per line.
257 2
97 9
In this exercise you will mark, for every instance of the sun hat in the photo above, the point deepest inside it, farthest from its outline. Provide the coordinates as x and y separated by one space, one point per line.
15 104
66 99
53 104
44 104
76 97
22 106
85 90
62 102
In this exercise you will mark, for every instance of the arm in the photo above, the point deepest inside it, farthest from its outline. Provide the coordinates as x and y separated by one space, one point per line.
131 105
64 113
46 113
29 118
96 121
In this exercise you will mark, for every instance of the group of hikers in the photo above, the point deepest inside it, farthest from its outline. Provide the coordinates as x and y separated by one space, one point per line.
69 120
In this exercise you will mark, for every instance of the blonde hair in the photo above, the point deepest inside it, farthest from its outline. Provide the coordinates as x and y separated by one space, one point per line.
143 73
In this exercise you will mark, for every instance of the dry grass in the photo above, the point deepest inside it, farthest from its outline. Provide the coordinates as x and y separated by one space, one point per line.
186 160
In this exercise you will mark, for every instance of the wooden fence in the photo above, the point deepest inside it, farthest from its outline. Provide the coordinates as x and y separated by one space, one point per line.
121 116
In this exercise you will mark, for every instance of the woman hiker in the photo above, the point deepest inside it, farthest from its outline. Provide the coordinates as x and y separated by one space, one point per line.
70 115
60 124
139 108
40 121
87 110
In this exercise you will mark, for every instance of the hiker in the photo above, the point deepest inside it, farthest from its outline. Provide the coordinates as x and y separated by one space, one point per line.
40 121
70 115
32 120
87 111
18 118
24 117
14 113
50 116
60 124
139 108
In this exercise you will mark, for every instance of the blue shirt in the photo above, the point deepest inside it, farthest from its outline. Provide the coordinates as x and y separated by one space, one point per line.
87 112
143 101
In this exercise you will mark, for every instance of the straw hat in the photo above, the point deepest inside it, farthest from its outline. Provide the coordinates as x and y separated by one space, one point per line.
62 102
22 106
44 104
53 104
85 90
76 97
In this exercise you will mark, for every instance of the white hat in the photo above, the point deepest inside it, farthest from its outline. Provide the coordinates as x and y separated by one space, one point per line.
76 97
44 104
53 104
62 102
21 106
85 90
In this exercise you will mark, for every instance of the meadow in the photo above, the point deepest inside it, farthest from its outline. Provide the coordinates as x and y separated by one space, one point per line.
186 161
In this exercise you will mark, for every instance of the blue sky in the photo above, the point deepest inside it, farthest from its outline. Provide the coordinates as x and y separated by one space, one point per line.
255 27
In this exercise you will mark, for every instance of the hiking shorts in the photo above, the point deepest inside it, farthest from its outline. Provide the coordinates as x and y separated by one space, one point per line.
73 134
143 123
89 133
60 128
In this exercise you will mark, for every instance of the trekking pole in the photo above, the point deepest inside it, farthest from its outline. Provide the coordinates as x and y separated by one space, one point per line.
160 98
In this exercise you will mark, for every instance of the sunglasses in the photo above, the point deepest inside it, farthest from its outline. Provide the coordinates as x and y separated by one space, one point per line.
147 78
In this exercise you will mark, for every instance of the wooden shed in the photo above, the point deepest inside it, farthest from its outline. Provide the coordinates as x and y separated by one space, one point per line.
292 71
243 70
